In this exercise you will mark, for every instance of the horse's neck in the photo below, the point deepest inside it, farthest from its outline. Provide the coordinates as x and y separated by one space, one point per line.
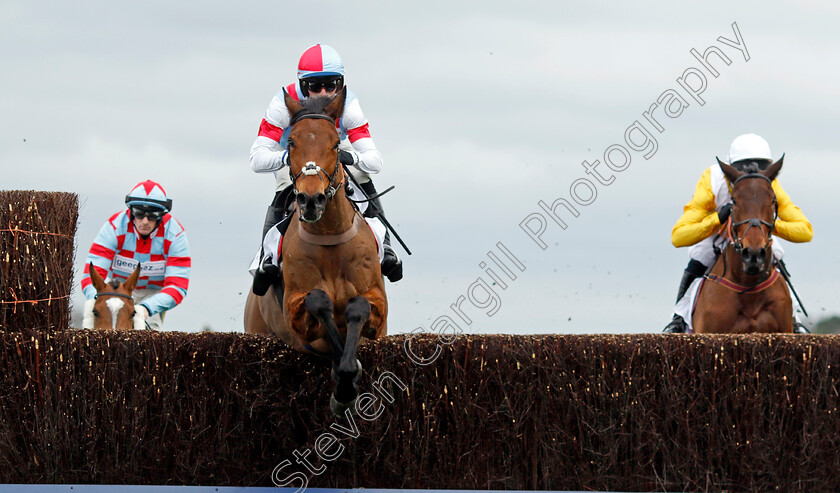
337 218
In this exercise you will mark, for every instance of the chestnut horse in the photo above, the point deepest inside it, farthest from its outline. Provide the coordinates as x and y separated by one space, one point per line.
333 292
744 291
113 307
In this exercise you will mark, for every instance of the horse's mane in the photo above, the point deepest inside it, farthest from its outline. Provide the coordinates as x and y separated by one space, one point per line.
312 106
114 283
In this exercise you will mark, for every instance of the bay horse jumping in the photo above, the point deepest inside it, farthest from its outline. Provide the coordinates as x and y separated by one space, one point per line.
113 307
333 292
744 291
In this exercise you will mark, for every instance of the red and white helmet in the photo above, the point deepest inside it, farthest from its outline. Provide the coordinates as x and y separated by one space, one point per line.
320 61
149 194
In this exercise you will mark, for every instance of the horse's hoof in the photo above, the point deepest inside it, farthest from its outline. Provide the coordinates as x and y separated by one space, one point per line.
359 370
340 408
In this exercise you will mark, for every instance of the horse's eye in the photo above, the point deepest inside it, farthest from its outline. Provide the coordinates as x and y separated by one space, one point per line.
335 148
96 313
291 143
134 313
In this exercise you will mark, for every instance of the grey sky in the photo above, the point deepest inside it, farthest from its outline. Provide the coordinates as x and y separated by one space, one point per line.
480 110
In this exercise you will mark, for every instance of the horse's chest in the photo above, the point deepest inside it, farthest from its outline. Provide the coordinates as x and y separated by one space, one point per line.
343 273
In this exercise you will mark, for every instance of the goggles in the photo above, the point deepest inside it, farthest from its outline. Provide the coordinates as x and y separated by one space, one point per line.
152 214
317 85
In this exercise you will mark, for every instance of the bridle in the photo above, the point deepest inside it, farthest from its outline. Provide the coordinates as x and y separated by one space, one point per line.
311 168
737 241
121 295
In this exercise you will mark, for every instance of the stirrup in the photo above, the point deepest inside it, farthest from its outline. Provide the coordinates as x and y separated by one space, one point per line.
799 328
676 326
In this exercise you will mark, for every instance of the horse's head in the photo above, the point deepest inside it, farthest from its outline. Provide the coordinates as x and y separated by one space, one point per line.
754 211
313 152
113 307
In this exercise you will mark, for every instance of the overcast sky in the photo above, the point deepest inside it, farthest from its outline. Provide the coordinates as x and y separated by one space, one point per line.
480 111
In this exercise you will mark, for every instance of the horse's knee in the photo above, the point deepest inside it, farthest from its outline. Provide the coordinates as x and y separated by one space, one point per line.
357 310
317 301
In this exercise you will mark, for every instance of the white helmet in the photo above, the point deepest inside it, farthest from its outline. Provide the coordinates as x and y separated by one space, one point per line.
749 146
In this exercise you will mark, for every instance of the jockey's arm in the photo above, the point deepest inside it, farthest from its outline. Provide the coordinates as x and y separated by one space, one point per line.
369 159
791 225
176 275
101 255
699 219
266 151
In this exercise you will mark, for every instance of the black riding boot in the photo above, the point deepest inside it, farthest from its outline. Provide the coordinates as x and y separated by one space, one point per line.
277 210
694 270
392 267
268 274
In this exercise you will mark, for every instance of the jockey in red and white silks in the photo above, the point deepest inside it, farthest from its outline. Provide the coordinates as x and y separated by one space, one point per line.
320 73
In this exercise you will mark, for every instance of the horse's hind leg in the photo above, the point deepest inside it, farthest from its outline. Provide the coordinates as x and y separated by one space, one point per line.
357 313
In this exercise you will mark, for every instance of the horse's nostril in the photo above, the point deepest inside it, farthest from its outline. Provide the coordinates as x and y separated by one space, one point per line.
320 200
301 200
748 255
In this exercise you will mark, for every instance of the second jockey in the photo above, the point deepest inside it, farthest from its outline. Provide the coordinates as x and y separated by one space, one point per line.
711 206
145 233
320 74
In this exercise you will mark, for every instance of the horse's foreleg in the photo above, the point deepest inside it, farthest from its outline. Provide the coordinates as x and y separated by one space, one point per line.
357 314
376 324
320 306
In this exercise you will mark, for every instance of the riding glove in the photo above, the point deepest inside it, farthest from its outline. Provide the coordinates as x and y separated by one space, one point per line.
350 158
724 212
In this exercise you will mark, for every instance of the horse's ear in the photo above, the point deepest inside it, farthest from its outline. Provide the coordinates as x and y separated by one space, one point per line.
730 171
292 105
131 282
336 106
772 171
95 278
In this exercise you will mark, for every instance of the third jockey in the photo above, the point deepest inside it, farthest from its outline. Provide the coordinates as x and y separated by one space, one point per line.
711 206
320 74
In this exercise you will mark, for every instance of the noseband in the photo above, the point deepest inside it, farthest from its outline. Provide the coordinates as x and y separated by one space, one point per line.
737 241
311 168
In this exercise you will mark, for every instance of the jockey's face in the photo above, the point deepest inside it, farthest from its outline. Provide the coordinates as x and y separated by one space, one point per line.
323 86
145 226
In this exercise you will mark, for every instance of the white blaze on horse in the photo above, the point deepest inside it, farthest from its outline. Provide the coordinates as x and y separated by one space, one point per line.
113 306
